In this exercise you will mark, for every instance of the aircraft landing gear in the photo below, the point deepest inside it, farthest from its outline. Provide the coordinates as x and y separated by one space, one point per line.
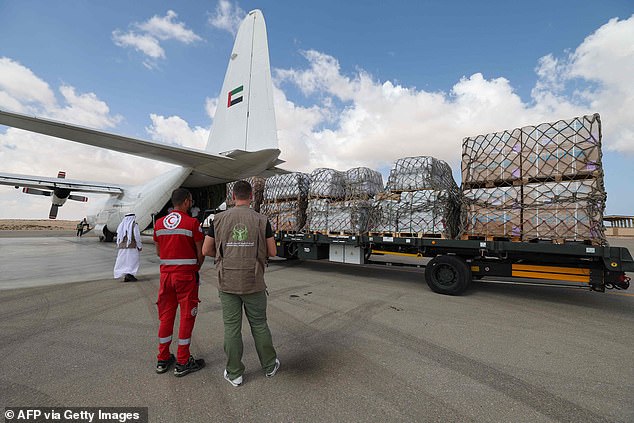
107 235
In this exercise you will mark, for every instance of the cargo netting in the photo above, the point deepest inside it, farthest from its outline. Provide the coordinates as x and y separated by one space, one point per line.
257 184
339 202
285 201
541 182
327 183
422 199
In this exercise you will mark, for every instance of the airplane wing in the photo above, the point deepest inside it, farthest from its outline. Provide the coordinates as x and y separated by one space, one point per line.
273 171
28 181
178 155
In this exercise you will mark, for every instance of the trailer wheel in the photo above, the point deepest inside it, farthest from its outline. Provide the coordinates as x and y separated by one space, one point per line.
448 275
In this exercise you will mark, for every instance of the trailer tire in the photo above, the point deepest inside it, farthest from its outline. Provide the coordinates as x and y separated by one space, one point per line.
449 275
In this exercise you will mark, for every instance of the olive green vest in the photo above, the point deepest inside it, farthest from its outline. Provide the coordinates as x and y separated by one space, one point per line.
240 235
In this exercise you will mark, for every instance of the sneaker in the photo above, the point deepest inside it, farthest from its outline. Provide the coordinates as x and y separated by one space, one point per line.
235 382
275 369
164 365
191 366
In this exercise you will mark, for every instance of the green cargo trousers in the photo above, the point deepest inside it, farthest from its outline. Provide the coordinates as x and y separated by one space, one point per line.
255 309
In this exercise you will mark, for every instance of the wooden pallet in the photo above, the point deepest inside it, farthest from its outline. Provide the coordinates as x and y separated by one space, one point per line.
532 240
418 235
564 241
342 233
491 238
381 234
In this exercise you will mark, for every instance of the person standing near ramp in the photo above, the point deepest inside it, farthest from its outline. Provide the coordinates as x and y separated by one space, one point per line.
129 248
178 239
241 240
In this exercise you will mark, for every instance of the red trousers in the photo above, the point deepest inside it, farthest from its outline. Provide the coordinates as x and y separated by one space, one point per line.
177 289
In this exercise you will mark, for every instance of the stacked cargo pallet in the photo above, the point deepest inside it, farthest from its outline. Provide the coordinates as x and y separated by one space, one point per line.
339 202
257 184
542 182
285 201
421 200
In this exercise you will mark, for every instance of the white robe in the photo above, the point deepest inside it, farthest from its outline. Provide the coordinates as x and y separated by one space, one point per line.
128 259
127 262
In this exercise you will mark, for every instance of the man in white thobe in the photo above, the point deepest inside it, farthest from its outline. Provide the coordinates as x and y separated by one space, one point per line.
129 249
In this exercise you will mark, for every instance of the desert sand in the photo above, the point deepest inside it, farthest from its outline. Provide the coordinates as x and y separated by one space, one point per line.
37 225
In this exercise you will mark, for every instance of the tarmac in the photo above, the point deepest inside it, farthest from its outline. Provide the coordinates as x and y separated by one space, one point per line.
356 343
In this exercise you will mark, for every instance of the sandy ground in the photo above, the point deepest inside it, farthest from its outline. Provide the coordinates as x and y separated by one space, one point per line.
37 225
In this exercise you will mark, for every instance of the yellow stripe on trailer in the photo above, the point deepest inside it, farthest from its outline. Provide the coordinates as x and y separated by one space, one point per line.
552 269
556 273
394 253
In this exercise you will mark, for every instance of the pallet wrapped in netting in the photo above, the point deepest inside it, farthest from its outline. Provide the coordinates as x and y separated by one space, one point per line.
492 158
288 186
564 211
493 212
337 217
257 184
285 201
288 216
428 213
327 183
539 182
427 201
420 173
362 183
339 202
565 149
317 215
423 213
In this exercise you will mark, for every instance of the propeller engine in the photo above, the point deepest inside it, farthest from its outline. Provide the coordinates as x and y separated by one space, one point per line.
59 196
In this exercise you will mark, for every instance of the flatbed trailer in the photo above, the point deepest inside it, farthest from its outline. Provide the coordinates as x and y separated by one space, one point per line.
455 263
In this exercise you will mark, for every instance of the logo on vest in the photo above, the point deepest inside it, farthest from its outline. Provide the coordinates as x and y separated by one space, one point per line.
172 220
240 232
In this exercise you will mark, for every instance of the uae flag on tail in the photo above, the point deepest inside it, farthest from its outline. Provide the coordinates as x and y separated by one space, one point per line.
235 96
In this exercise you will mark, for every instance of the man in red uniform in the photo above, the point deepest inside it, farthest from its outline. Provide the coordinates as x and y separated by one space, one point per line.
178 239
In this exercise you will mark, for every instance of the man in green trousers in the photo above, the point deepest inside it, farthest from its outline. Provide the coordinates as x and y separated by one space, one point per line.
241 240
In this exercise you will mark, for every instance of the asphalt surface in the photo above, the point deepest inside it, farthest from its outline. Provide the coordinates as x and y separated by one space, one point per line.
357 343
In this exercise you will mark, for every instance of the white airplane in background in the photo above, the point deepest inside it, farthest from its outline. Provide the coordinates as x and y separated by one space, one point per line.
244 136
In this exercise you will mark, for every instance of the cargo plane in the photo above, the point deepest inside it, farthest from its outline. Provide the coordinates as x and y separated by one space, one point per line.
242 143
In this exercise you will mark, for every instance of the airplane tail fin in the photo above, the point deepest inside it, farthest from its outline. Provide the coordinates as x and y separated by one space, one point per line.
245 117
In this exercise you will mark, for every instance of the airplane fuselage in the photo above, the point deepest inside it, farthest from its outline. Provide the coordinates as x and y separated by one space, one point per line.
142 200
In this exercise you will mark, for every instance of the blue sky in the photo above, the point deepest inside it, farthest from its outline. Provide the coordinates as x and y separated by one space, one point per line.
357 83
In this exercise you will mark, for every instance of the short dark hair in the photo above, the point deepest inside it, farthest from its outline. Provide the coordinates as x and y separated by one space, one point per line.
242 190
179 196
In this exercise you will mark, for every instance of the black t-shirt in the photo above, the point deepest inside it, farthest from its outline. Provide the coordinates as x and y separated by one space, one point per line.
268 233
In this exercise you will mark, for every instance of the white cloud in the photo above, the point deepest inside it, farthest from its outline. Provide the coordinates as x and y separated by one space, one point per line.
176 131
144 43
228 16
146 37
164 28
20 89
